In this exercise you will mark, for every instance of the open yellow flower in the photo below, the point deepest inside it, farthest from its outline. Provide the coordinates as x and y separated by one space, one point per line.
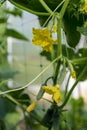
32 106
43 38
54 91
85 6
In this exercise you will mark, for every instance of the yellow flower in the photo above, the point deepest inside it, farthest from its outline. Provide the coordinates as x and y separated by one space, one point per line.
73 74
32 106
54 91
85 6
43 38
57 97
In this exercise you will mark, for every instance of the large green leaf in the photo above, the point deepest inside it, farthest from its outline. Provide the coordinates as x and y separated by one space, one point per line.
72 35
71 20
70 27
35 4
13 33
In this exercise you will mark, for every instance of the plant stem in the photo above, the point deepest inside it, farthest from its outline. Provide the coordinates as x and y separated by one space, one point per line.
64 8
59 23
51 77
61 14
56 72
71 90
79 61
29 10
52 13
59 53
46 6
11 99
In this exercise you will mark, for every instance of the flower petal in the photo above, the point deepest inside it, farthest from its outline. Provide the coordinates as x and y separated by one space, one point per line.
54 91
43 38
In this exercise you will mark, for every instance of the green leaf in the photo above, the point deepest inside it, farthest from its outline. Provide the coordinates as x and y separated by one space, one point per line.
80 58
13 33
68 52
24 99
46 54
82 30
82 53
71 20
79 61
5 107
78 69
70 26
21 97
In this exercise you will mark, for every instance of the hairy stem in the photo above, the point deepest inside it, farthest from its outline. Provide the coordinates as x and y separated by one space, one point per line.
46 6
